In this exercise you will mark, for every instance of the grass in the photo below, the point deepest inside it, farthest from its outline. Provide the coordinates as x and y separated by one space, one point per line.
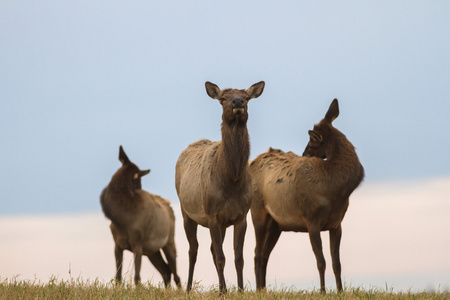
85 289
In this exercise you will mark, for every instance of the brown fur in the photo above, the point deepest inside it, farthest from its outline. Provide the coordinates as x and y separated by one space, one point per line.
141 222
213 183
304 194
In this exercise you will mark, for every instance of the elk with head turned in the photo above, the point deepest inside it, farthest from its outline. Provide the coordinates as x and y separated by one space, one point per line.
141 222
213 183
308 193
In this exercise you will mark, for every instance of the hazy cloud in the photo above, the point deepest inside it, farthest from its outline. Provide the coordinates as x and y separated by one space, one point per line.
393 234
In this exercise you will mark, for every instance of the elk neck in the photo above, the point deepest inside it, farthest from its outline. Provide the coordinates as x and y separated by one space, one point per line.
343 163
120 195
121 186
234 150
117 205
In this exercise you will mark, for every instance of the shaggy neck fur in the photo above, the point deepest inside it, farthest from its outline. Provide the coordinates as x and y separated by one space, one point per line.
234 150
121 185
117 197
343 161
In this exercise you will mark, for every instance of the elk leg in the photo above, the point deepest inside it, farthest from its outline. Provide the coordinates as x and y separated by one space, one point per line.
215 231
171 255
239 237
261 222
335 242
160 265
259 236
316 243
118 253
272 235
137 265
260 218
212 247
190 228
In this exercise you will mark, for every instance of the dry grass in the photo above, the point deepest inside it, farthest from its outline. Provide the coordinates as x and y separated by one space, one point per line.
85 289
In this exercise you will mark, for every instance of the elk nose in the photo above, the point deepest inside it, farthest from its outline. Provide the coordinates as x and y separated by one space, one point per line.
238 102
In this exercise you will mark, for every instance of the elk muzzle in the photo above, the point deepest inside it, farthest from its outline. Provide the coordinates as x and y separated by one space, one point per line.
238 106
238 110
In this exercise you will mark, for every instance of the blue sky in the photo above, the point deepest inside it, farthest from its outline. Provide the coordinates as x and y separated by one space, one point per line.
78 79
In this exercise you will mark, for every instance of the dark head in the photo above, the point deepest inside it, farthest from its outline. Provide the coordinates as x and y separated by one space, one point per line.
319 137
234 102
130 173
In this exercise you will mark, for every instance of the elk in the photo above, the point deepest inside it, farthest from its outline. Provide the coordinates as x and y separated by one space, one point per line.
141 222
213 183
308 193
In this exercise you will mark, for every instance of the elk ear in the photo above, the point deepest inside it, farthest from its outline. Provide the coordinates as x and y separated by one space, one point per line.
140 174
144 172
315 136
256 90
333 111
123 157
213 90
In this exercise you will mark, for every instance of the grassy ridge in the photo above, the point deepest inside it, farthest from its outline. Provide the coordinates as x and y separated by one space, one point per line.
78 289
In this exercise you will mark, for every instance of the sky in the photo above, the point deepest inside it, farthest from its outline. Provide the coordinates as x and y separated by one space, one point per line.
78 79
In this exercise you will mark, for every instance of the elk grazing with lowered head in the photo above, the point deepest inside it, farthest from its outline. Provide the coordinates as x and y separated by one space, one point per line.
213 183
141 222
308 193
